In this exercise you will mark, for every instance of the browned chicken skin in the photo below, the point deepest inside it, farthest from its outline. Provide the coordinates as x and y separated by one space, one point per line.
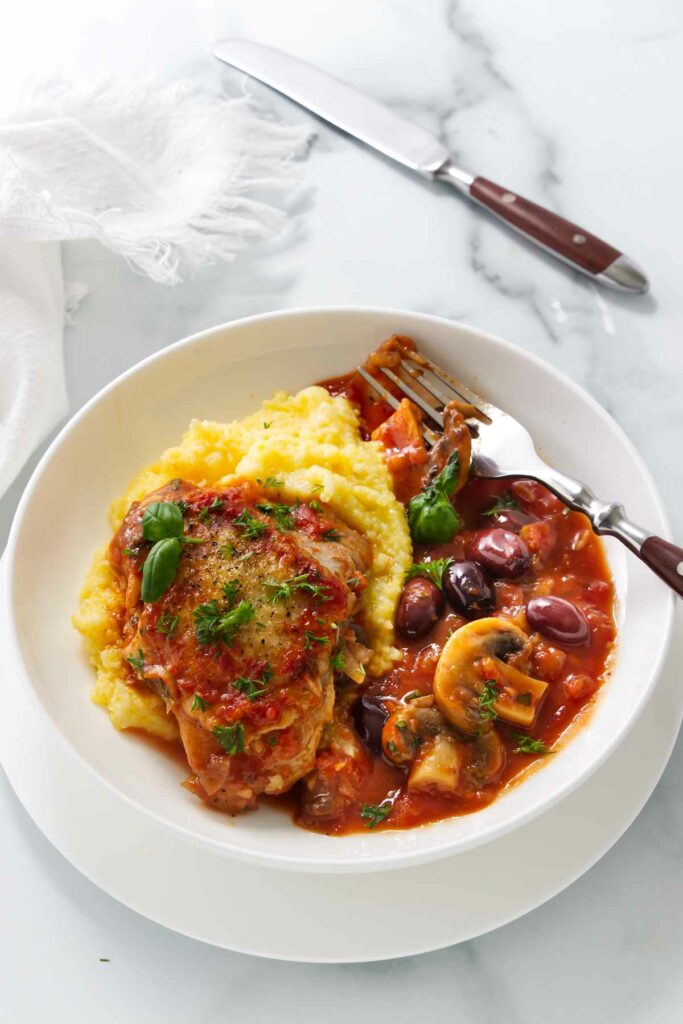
251 701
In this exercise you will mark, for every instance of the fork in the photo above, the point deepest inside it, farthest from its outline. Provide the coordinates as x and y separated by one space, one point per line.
502 447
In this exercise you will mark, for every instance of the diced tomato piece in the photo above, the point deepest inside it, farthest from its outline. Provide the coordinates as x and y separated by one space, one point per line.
578 686
540 538
306 519
509 598
536 497
486 668
427 659
401 437
601 625
548 661
598 589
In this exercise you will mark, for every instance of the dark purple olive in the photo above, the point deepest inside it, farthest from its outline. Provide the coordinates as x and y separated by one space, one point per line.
369 715
421 605
468 589
502 552
558 620
512 519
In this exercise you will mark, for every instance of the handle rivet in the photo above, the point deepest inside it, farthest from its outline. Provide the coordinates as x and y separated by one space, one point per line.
679 568
578 239
508 197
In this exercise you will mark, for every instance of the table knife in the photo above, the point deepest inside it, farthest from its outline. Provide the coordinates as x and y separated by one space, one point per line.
415 148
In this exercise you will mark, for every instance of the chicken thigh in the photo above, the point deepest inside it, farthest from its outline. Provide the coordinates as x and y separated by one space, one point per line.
244 643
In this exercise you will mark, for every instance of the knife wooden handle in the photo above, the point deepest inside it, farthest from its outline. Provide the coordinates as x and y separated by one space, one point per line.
568 242
572 243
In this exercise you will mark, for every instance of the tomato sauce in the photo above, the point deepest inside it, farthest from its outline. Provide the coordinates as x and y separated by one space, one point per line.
567 561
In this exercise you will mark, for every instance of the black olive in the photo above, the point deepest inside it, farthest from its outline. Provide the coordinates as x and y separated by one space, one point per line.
421 605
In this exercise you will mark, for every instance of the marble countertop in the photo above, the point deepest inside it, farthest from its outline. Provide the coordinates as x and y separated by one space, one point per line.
569 104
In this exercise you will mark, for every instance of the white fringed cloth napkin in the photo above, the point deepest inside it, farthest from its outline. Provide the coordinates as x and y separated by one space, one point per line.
171 178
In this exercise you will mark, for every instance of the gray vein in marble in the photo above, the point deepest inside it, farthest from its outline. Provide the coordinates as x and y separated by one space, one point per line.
488 239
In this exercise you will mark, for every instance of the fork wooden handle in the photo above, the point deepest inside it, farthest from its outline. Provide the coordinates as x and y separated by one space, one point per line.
609 518
666 560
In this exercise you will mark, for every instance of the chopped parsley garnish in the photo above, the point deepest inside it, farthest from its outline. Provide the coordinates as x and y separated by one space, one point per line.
524 698
230 591
230 737
215 506
432 570
228 550
526 745
331 534
198 704
338 661
282 514
167 624
251 688
266 425
285 591
214 624
131 552
373 814
315 505
138 663
182 505
272 481
310 638
353 582
250 525
487 698
502 502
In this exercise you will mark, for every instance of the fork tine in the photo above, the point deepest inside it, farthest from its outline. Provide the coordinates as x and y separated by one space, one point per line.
432 384
429 435
465 393
379 388
413 396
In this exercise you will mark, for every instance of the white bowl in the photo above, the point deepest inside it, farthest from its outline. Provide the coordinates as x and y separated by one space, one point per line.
223 373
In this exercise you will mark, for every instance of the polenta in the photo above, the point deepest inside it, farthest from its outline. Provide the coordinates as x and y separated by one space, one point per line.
311 442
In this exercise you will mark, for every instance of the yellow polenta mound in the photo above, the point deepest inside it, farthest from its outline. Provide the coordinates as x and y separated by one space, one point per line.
311 442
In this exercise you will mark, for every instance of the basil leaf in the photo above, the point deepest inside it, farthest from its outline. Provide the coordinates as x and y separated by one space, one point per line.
447 480
431 517
161 520
160 568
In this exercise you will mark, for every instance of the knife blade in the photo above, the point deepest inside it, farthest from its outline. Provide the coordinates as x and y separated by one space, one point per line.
414 147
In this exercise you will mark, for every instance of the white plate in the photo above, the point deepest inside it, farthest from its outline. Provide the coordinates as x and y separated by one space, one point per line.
223 373
323 918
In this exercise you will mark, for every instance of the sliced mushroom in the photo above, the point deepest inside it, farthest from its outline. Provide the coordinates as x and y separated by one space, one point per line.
481 654
488 762
418 735
437 766
406 729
